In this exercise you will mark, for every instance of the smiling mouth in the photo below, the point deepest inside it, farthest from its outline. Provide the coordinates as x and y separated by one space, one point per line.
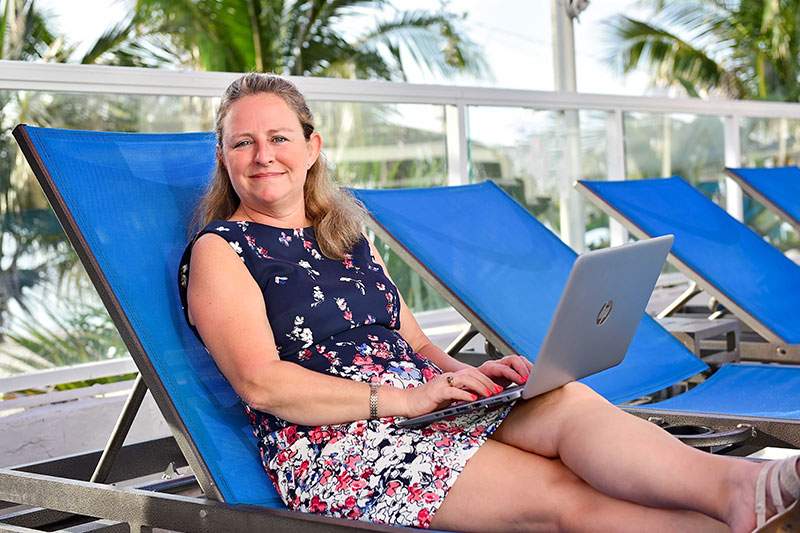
266 175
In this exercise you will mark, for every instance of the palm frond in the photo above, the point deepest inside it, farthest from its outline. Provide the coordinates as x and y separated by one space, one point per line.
672 60
431 40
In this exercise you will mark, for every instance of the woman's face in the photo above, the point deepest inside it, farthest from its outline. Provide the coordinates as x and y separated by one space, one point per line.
266 155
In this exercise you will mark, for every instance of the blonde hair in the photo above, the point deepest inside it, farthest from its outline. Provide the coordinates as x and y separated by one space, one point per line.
335 214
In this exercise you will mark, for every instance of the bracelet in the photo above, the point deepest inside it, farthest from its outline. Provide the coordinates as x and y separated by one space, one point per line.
373 400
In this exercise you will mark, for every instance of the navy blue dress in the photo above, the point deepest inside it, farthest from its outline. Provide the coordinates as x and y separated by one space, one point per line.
341 318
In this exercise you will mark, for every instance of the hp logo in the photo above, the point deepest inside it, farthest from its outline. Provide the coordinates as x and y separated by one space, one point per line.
604 313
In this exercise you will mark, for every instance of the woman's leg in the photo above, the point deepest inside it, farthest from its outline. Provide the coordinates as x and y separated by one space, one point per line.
503 488
629 458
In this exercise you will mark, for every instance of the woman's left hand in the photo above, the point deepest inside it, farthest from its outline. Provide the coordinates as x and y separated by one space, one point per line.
513 368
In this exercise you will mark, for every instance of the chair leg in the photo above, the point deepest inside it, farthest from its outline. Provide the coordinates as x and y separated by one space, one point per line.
691 291
120 431
463 338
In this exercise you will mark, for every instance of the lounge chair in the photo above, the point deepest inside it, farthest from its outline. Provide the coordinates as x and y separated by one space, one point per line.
504 272
777 188
728 260
125 202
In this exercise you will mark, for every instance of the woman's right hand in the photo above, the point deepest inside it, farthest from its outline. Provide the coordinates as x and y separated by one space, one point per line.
462 386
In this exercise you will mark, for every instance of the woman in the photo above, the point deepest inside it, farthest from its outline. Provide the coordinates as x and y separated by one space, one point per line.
301 317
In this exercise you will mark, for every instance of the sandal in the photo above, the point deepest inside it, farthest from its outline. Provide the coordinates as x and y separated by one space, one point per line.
782 475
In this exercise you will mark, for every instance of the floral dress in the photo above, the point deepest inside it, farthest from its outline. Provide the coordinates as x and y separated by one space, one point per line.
341 318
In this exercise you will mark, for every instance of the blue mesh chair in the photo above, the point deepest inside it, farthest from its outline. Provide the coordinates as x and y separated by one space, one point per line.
723 256
777 188
125 202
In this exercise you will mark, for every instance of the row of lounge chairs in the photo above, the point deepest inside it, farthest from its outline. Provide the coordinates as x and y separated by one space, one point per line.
125 202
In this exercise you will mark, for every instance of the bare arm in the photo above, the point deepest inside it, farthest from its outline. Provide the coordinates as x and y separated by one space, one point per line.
228 309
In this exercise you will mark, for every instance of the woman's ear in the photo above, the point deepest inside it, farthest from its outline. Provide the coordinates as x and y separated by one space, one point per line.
314 148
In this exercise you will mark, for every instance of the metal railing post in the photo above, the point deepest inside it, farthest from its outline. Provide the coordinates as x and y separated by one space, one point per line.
615 164
458 164
733 158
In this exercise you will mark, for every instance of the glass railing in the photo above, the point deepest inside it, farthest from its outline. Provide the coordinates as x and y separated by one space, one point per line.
377 135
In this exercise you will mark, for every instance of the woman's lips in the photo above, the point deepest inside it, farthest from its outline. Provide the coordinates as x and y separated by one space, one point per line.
266 175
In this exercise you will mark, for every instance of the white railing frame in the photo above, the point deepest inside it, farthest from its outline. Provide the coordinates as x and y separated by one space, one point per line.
15 75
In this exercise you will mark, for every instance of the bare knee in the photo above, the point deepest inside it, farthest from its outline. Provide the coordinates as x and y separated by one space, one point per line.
575 395
569 501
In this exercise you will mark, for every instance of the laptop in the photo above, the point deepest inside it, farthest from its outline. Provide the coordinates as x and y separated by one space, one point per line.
600 309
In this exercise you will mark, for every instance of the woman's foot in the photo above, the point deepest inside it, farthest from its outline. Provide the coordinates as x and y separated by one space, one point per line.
768 497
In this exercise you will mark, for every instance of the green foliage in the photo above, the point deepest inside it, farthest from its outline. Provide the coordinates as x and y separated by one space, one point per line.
300 37
742 49
70 329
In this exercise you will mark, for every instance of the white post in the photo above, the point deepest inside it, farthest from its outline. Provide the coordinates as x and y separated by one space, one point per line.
457 150
734 203
783 137
571 212
615 164
666 148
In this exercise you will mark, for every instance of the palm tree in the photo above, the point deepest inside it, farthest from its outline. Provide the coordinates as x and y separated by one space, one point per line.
736 48
290 37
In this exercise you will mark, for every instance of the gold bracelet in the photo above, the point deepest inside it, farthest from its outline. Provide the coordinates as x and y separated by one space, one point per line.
373 400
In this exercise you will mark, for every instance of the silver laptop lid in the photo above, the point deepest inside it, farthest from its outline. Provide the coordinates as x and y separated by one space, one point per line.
600 309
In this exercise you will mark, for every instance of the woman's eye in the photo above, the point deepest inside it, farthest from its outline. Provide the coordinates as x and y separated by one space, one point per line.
279 139
241 143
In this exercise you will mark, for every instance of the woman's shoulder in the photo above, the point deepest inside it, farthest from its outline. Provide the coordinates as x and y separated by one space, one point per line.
207 240
223 228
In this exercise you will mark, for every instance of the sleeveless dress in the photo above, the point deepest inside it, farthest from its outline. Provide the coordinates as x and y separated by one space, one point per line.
341 318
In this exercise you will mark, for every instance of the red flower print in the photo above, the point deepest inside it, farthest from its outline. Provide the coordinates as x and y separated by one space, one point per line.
348 315
317 505
430 497
301 470
343 480
427 374
317 435
358 484
444 442
424 518
359 360
326 476
304 355
352 461
414 493
307 245
441 472
350 502
289 435
285 455
391 487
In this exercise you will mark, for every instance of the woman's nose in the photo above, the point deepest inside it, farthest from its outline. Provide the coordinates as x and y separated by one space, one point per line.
264 154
